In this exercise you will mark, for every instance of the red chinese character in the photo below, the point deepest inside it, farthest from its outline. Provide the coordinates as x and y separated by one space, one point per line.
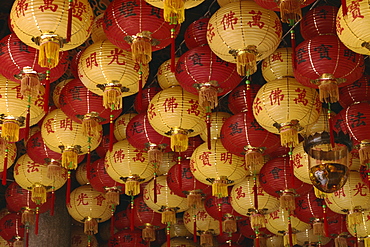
91 61
205 158
66 124
146 194
297 160
259 191
318 104
301 97
78 8
187 218
354 9
139 156
227 157
39 102
257 106
192 167
151 111
338 26
339 193
32 167
158 188
278 27
18 89
274 215
256 19
359 189
276 56
239 193
276 96
21 7
210 32
115 54
119 156
81 199
99 199
48 125
229 20
202 215
170 104
194 107
48 4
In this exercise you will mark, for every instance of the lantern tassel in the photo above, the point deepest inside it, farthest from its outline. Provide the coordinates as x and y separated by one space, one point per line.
194 200
155 155
219 188
287 201
257 221
355 218
90 226
90 127
112 197
229 225
37 221
148 233
173 46
141 49
328 91
49 53
179 141
111 227
30 84
208 97
3 182
253 159
288 136
168 216
39 195
68 191
290 10
364 152
111 132
132 213
206 239
69 159
220 216
18 243
47 91
10 130
249 97
344 7
174 11
54 170
318 229
132 187
195 228
367 242
246 62
168 234
52 206
69 22
340 241
28 217
112 97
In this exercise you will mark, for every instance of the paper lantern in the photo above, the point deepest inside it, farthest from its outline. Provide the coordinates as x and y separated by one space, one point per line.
138 29
57 90
193 143
242 135
274 241
80 239
127 238
97 31
122 220
178 230
245 42
165 76
323 62
81 174
278 65
4 243
62 135
52 27
120 125
159 197
309 236
355 92
180 241
320 20
241 97
168 160
217 119
89 207
166 113
18 64
217 166
359 227
15 111
33 176
277 223
196 33
129 165
109 71
284 107
12 228
141 104
201 72
105 144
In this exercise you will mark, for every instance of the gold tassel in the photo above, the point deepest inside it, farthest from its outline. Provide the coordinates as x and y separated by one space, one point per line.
340 241
28 217
141 49
10 130
90 226
49 54
355 218
174 11
195 200
289 136
328 91
364 152
38 194
132 187
319 193
208 96
367 242
30 84
168 216
155 155
18 243
112 196
69 159
206 239
253 160
3 146
112 97
287 201
290 10
229 225
54 170
148 233
286 239
179 141
318 228
257 221
246 61
90 127
219 188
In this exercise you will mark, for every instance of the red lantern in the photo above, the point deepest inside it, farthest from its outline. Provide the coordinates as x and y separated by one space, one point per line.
241 97
242 135
359 91
127 238
141 103
196 33
193 143
103 147
11 227
138 27
182 183
319 21
122 220
324 62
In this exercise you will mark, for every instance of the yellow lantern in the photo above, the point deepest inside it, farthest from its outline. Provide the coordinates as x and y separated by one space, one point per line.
278 65
97 33
165 76
15 108
275 241
284 107
120 125
352 28
51 26
243 32
359 227
159 197
33 176
217 166
62 135
217 120
89 207
128 165
178 230
81 174
181 241
175 113
308 236
110 71
57 90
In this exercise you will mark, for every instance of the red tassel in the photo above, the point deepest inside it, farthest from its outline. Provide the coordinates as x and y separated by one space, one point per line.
326 224
111 133
88 165
168 235
255 191
208 123
112 225
68 192
293 43
5 166
290 231
173 45
37 221
195 229
140 93
132 226
155 188
249 97
69 22
47 91
220 215
52 206
179 171
344 7
257 241
28 117
27 236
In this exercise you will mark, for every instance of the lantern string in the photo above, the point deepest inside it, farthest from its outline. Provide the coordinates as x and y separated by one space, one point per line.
27 235
325 216
290 230
155 187
3 182
68 192
168 234
291 166
69 21
255 192
293 43
208 124
173 46
37 221
179 171
220 214
132 213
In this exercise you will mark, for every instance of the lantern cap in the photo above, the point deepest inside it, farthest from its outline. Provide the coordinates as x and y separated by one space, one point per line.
328 77
10 118
211 83
113 188
75 148
49 36
112 84
133 177
91 115
142 35
251 148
